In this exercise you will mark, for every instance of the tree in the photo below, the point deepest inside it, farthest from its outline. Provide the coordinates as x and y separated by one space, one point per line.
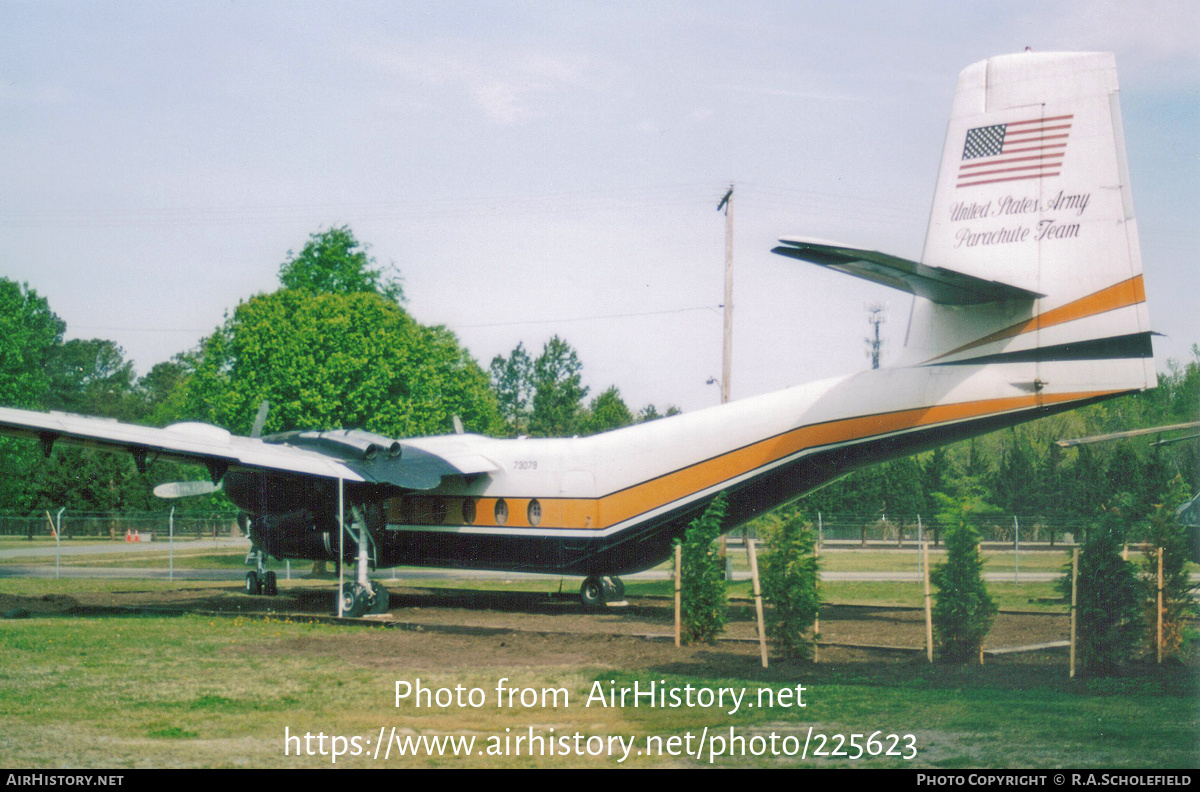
334 262
1109 600
1014 483
789 580
1179 609
704 609
963 611
93 377
512 380
606 412
558 391
651 413
163 388
29 335
337 360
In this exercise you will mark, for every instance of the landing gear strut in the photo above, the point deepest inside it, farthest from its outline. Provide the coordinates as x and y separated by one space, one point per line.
597 592
362 596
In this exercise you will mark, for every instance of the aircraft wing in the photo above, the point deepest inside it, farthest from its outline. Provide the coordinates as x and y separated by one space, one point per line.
351 456
942 286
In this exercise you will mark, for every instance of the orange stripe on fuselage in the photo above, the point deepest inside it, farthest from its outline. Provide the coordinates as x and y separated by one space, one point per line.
1120 295
608 510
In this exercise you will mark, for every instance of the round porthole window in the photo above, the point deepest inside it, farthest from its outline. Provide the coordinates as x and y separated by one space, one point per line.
501 512
534 512
468 511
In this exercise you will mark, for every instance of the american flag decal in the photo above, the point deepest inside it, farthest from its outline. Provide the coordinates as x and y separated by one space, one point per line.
1014 151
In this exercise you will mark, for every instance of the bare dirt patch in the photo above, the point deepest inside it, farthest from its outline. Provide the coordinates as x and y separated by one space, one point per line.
456 628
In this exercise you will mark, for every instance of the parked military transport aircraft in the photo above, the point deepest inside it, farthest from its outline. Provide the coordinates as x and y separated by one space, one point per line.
1028 300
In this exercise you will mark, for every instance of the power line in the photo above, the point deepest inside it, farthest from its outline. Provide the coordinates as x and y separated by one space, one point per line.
588 318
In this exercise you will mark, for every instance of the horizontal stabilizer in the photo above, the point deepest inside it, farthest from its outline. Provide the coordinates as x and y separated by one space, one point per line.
938 285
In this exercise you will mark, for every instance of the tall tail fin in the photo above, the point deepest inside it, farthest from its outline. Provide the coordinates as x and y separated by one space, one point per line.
1033 192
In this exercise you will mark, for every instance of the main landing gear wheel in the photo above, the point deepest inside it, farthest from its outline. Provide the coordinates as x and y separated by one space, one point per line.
270 585
591 593
596 592
618 586
253 584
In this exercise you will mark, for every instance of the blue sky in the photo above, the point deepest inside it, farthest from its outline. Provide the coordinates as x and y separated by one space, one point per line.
539 168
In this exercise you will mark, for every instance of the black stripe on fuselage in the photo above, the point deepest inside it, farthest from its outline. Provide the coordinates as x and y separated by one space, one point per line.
1135 345
648 542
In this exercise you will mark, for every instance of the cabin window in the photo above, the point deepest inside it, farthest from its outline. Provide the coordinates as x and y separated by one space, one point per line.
468 511
534 512
501 512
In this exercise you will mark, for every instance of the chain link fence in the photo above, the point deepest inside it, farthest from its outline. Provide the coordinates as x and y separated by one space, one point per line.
117 525
886 530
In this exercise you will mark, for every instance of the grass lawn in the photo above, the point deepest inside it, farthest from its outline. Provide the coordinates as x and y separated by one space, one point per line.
198 691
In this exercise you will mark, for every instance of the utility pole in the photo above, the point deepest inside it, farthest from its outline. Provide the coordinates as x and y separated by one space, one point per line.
727 355
875 318
727 352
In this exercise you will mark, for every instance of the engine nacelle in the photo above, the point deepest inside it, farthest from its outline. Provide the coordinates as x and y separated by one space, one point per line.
347 443
292 535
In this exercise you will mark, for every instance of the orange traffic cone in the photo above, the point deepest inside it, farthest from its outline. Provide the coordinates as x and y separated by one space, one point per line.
137 536
128 536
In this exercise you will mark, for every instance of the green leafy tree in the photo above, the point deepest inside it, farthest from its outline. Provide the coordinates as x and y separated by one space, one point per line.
93 377
163 389
651 413
703 606
337 360
607 411
335 262
512 381
1014 479
963 611
1180 608
30 333
558 391
1109 598
790 584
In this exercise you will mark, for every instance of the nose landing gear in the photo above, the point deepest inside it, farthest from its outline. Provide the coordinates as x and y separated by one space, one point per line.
358 599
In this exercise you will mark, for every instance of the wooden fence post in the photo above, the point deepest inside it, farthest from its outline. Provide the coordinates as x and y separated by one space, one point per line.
758 608
928 603
678 587
1159 636
1074 601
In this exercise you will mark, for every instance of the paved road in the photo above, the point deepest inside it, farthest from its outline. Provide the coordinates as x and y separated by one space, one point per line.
77 548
